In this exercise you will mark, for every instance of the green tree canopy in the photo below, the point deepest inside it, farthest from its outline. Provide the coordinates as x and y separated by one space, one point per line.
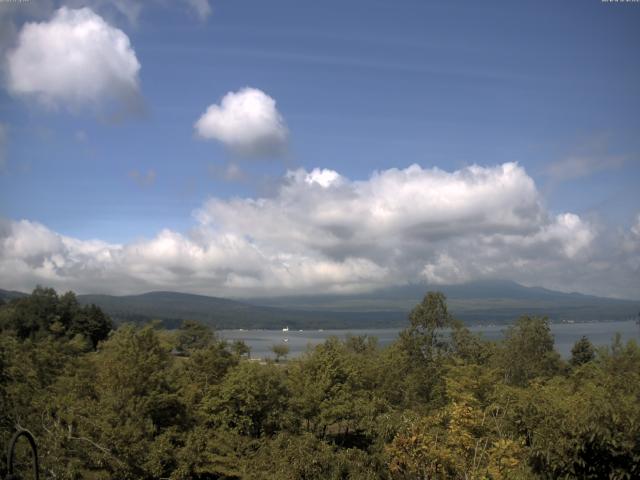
582 352
252 400
44 313
528 351
280 350
194 335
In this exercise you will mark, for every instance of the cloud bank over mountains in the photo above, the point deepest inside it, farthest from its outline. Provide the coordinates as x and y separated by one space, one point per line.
322 232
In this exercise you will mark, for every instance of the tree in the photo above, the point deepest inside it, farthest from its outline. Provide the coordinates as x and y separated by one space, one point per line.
468 346
427 406
280 350
528 351
128 403
240 349
585 425
206 453
421 338
68 307
204 369
44 313
331 393
582 352
453 443
252 400
193 335
418 358
361 343
30 317
91 322
304 456
431 313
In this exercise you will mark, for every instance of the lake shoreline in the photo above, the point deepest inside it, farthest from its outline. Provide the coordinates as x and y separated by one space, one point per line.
262 340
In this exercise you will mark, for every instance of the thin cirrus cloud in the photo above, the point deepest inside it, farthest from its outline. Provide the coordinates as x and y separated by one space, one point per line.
131 9
3 146
231 172
143 179
583 166
74 60
335 234
202 8
247 122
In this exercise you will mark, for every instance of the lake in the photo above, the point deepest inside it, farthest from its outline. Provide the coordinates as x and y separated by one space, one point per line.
565 334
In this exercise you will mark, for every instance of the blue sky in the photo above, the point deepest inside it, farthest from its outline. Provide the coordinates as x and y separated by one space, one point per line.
361 87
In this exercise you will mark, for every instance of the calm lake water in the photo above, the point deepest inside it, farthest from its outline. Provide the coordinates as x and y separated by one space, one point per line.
565 335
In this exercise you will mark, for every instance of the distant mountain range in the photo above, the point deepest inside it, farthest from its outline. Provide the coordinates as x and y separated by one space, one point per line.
488 301
7 295
476 302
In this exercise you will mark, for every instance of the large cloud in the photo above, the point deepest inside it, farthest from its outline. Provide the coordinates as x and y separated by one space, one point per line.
247 122
73 60
322 232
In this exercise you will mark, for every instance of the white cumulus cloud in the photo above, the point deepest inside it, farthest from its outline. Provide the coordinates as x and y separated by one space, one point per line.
73 60
323 232
247 122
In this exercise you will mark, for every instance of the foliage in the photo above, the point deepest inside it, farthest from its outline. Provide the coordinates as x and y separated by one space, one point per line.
420 354
527 351
455 442
426 320
252 400
44 313
280 350
582 352
440 402
193 335
586 425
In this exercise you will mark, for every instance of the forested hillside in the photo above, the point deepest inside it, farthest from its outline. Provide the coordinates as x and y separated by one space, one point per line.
141 402
171 308
481 302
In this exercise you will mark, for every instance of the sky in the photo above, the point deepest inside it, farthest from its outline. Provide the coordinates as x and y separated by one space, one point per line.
242 148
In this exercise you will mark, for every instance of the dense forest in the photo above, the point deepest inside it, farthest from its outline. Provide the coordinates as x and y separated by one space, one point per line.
142 402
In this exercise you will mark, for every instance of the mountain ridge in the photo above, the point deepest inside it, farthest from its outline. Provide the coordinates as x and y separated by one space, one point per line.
496 301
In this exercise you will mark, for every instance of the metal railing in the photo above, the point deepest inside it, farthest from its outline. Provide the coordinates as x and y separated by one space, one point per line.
11 450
